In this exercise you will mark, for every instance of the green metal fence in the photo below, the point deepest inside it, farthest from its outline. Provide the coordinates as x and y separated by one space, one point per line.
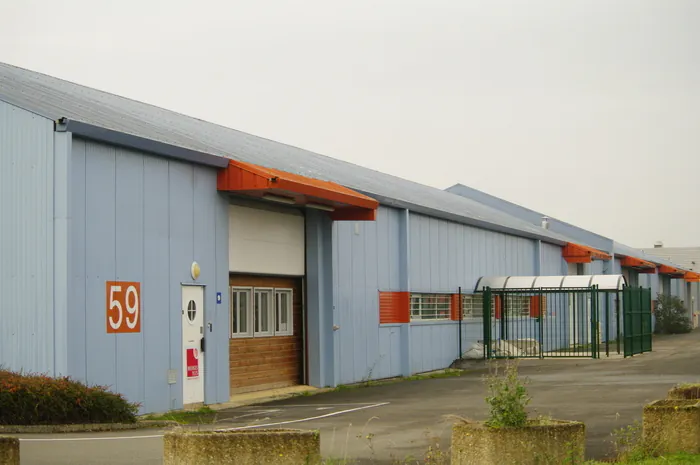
637 320
571 322
539 323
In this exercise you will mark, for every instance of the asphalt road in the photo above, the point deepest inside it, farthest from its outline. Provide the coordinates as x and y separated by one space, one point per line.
403 420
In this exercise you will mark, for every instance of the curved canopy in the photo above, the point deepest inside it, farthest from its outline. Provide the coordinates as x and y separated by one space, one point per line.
605 282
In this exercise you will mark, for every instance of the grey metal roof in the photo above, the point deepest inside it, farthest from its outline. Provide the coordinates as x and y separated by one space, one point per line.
621 249
55 98
687 258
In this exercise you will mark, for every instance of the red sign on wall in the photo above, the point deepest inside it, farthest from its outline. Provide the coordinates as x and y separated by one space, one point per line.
123 307
192 363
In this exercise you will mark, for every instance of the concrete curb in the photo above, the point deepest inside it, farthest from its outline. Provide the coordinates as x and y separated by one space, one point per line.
83 428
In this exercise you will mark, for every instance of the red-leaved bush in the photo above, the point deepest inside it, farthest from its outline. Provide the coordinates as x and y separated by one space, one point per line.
32 399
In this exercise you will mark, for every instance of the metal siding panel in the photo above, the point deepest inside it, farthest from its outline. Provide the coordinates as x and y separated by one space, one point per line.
384 249
221 315
653 282
435 346
100 251
206 200
77 350
443 262
370 304
26 240
156 297
61 271
134 219
180 190
415 263
313 251
452 250
359 268
129 253
342 268
596 267
394 245
322 300
356 308
551 260
426 255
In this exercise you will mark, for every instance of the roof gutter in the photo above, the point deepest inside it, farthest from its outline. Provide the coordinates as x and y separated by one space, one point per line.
121 139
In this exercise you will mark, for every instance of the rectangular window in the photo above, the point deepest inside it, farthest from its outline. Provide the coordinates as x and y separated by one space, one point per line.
515 305
430 306
262 312
283 312
258 312
473 306
240 312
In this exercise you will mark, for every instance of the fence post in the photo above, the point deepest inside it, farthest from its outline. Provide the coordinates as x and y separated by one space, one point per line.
461 310
486 304
607 325
541 315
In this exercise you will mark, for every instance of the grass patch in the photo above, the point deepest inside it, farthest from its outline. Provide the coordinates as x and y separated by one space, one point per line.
681 459
186 417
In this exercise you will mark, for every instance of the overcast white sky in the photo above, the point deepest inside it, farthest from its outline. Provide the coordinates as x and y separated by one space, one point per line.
587 110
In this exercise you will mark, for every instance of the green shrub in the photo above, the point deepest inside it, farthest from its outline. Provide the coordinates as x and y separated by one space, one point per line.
507 397
671 316
42 400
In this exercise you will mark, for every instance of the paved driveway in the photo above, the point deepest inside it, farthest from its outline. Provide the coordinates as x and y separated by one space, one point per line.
404 419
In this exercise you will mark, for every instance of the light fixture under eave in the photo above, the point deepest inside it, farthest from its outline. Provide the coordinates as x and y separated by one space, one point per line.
279 199
318 206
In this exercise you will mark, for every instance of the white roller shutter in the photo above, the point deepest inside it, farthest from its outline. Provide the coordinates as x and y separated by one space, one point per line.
265 241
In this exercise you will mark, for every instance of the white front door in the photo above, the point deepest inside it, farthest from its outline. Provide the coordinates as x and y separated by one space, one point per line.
192 344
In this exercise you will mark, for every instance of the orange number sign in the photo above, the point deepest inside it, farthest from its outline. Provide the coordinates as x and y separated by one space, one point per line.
123 307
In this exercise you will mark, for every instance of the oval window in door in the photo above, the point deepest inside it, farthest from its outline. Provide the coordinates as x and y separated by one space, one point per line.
191 311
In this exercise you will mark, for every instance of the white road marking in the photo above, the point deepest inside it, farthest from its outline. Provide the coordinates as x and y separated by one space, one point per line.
332 414
153 436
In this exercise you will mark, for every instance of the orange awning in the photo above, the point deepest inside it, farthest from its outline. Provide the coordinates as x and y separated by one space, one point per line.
642 266
271 184
576 253
672 271
692 277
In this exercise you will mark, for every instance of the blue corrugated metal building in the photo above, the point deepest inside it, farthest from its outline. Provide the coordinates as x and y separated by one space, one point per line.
180 262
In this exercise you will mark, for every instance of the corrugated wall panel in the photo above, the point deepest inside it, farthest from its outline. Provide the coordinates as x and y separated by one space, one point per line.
598 266
141 218
447 255
552 262
434 243
365 260
434 346
26 240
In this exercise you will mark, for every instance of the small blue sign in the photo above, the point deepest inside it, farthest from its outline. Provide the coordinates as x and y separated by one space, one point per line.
218 298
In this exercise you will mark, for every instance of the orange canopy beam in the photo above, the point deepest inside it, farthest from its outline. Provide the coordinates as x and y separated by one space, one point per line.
293 189
671 271
642 266
692 277
577 253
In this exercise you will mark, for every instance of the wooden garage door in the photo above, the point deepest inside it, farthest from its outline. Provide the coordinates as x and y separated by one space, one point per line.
261 358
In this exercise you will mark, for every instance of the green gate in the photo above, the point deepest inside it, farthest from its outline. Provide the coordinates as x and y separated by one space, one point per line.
637 320
545 322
